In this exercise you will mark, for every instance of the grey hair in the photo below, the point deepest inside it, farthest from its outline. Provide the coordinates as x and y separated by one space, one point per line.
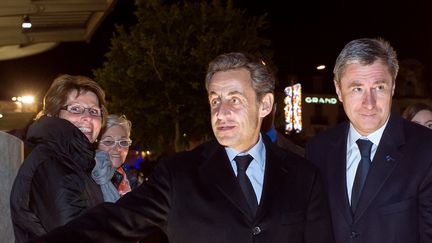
263 81
119 120
365 52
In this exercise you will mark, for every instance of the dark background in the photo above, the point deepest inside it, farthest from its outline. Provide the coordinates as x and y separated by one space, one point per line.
304 34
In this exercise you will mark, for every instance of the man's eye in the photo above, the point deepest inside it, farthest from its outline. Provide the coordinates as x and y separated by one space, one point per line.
381 87
357 89
214 102
235 100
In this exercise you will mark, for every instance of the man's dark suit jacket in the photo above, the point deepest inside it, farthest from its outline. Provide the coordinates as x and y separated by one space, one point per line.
396 201
194 197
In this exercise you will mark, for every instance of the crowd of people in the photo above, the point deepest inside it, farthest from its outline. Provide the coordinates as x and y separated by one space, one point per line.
368 179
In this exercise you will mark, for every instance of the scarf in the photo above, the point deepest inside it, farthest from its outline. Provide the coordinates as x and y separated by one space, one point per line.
102 174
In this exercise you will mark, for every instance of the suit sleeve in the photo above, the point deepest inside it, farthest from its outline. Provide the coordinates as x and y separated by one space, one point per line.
425 208
134 216
318 225
309 151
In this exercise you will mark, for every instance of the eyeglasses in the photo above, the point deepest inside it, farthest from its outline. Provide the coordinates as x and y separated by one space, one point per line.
124 143
79 109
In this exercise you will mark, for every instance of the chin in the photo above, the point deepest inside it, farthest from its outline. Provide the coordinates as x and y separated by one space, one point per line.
224 140
116 164
91 139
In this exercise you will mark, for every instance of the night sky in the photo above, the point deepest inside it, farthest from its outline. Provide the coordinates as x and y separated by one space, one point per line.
304 34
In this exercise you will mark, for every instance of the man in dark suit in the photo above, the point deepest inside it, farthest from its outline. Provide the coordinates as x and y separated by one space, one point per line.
240 188
377 167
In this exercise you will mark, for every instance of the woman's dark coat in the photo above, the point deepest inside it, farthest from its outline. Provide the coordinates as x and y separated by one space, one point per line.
54 184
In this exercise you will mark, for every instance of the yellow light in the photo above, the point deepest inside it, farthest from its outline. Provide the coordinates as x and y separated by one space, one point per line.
293 108
28 99
321 67
26 24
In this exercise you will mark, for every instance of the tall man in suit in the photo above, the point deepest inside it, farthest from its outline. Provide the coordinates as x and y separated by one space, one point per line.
208 195
377 167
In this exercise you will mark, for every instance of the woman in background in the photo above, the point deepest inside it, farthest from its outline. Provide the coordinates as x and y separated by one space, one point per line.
54 185
112 151
419 113
114 180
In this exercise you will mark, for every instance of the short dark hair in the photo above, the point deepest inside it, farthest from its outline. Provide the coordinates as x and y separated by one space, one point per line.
262 78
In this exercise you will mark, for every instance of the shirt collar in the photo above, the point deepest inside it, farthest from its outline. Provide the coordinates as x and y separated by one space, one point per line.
374 137
257 152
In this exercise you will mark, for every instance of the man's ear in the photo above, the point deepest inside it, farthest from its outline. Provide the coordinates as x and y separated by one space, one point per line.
338 91
266 104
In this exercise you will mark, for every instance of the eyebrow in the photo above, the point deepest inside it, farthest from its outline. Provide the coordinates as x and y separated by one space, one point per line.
229 93
356 83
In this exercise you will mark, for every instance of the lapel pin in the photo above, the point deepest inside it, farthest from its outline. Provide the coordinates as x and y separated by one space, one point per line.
389 158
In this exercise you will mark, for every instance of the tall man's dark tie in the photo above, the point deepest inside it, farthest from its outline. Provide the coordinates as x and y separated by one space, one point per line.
362 171
245 184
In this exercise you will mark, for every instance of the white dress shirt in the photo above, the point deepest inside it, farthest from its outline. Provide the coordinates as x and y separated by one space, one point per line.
255 171
353 153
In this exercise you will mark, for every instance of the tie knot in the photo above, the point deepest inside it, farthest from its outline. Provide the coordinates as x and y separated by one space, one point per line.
364 147
243 161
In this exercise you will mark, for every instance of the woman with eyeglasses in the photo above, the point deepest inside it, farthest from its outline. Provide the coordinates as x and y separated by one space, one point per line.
112 151
54 184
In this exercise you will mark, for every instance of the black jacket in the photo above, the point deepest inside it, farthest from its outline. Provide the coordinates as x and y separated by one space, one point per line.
54 184
395 205
194 197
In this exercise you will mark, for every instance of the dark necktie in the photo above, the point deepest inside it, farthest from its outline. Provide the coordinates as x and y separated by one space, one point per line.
362 171
245 184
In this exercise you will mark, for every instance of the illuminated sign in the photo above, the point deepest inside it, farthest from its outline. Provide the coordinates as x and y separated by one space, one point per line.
293 108
320 100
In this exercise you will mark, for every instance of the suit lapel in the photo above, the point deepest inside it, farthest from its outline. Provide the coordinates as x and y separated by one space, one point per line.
385 160
336 174
274 175
216 170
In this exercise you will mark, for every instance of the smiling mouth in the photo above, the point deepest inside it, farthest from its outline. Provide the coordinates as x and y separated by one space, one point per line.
85 130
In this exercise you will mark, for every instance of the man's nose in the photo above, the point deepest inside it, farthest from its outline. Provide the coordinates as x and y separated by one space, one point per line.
222 110
369 98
